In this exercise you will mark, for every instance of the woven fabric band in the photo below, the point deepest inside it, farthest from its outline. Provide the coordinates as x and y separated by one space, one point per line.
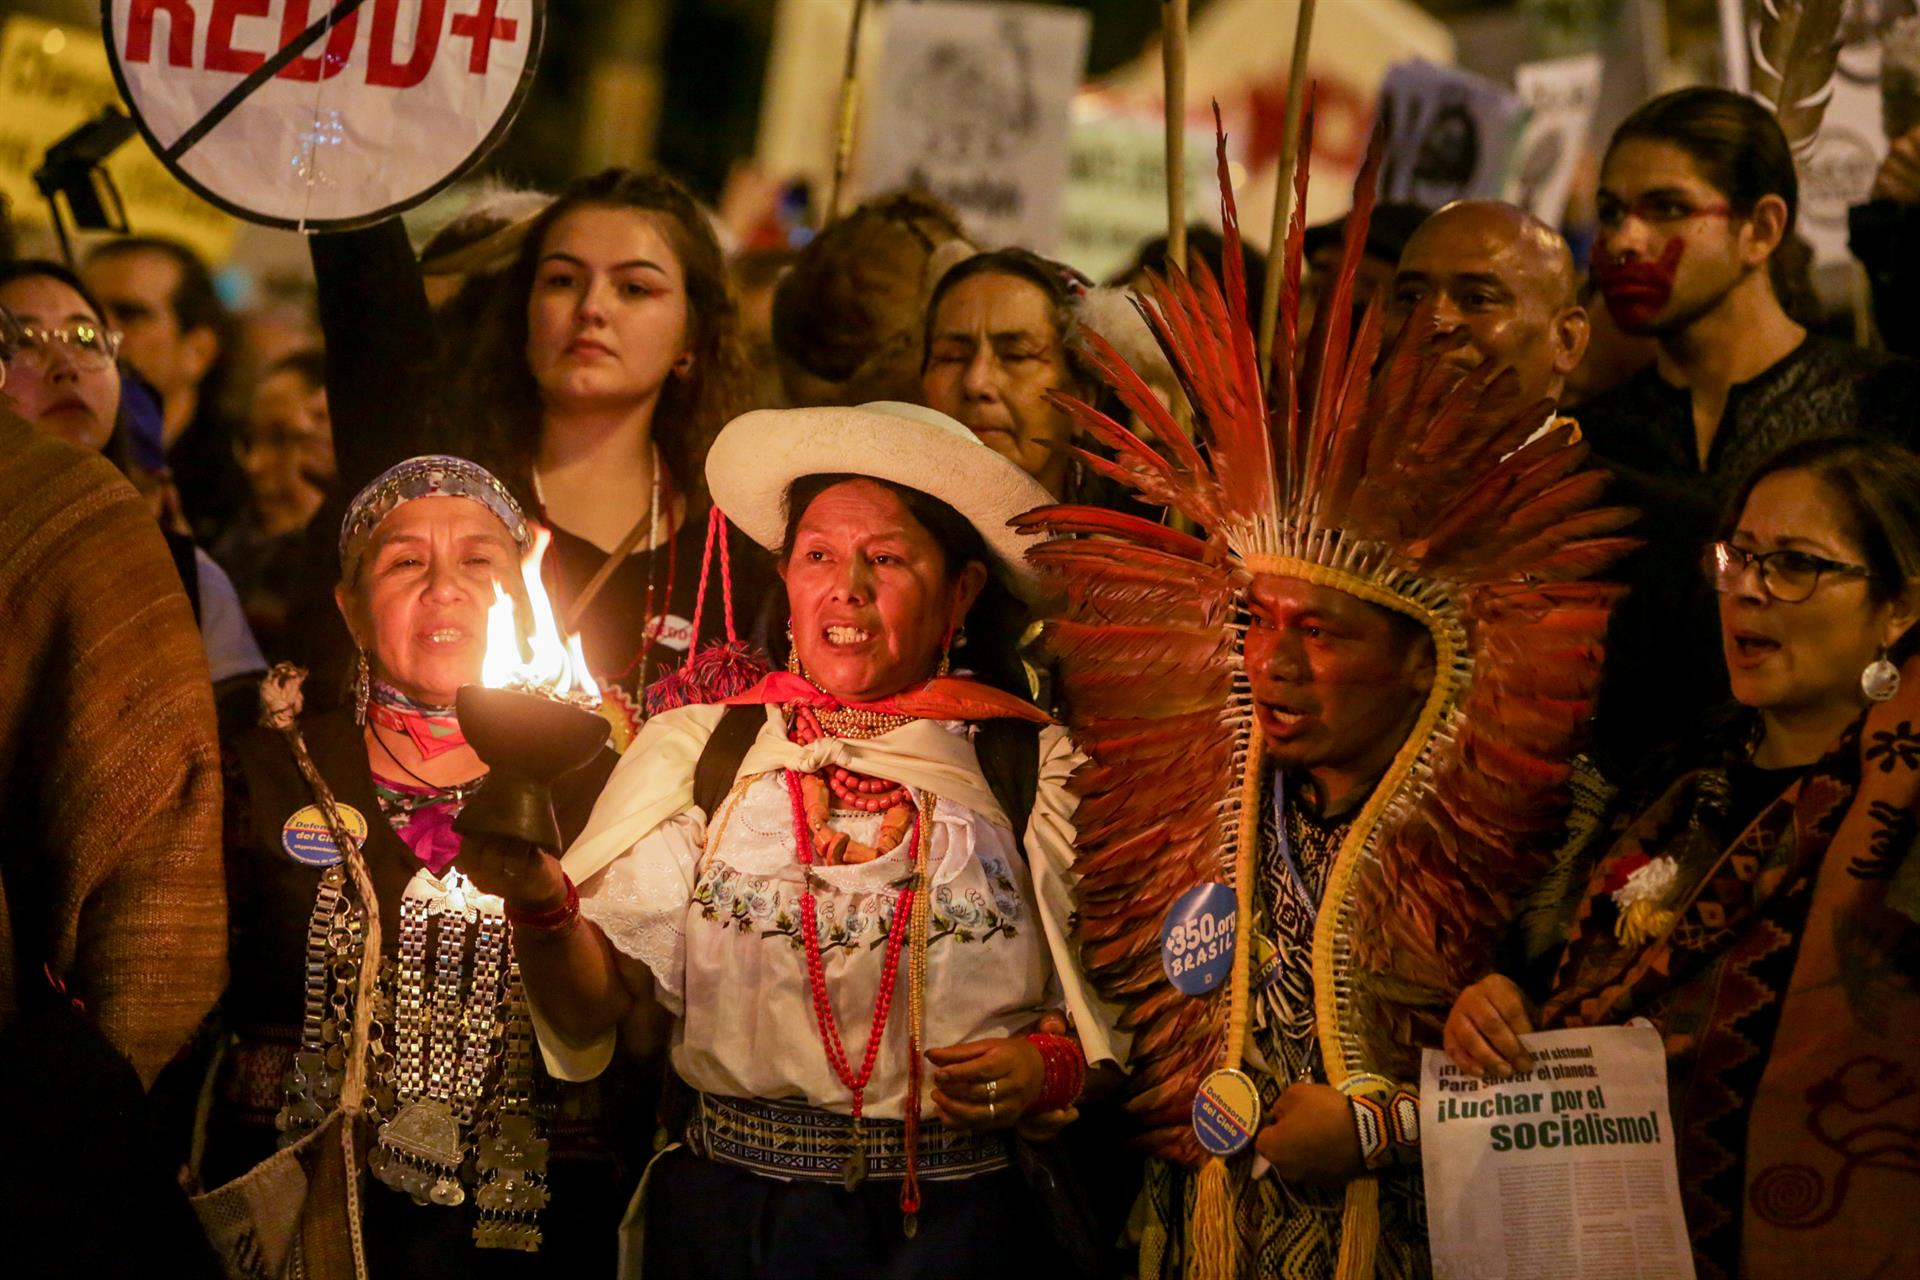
806 1145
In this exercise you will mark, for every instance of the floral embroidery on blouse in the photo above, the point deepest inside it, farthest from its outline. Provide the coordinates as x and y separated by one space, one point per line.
769 907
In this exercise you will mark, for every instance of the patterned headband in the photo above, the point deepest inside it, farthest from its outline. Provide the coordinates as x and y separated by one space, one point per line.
436 475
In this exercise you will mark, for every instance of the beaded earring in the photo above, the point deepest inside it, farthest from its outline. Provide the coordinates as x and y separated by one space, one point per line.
362 688
793 654
1881 680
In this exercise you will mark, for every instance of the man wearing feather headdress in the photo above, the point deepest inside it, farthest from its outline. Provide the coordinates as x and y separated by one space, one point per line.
1347 712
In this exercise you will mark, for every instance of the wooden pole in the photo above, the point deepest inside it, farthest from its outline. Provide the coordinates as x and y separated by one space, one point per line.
1283 186
849 101
1173 64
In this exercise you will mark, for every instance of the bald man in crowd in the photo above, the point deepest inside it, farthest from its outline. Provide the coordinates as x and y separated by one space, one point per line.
1506 279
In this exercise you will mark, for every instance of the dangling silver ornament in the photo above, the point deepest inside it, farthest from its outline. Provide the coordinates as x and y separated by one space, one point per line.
1881 680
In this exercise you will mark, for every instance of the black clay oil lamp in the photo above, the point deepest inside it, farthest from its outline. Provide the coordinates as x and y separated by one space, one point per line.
532 717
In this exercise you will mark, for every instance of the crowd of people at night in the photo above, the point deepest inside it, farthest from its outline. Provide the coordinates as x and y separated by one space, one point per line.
1530 645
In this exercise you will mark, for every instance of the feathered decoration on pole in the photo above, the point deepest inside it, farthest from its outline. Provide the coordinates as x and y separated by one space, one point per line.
1392 478
1796 50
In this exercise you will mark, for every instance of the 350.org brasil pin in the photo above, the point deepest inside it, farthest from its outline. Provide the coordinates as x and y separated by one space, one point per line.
1226 1112
1197 938
306 838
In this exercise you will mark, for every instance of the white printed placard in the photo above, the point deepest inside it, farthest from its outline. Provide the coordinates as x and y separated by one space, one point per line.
1566 1171
972 103
322 114
1561 94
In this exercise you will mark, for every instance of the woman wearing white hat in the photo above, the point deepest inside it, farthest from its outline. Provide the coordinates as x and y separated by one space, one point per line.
846 893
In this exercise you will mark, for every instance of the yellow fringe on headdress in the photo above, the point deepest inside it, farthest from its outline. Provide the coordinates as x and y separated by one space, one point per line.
1359 1230
1213 1243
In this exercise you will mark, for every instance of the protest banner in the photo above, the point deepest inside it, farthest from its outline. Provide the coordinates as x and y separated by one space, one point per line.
315 115
1561 95
1565 1172
1239 55
54 77
971 103
1116 196
1451 134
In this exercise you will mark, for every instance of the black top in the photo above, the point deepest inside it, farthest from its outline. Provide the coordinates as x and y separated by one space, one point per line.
213 487
266 570
626 647
1664 664
1820 388
1885 236
1751 788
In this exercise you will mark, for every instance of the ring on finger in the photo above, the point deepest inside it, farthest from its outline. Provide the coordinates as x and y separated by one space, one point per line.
990 1109
993 1090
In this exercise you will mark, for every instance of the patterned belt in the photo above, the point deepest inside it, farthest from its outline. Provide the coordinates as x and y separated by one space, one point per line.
800 1143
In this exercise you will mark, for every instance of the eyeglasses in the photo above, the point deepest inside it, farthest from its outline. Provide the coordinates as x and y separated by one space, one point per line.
1655 209
30 346
1787 576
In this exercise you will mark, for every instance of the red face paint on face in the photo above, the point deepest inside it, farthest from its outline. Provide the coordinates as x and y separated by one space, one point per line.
1636 291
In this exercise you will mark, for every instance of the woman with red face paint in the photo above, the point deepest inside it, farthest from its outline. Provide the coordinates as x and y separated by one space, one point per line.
1697 195
1760 910
843 898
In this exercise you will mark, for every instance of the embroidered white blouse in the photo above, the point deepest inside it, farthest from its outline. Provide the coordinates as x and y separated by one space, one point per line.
712 910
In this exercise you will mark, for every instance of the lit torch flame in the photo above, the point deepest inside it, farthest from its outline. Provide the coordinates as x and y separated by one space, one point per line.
543 662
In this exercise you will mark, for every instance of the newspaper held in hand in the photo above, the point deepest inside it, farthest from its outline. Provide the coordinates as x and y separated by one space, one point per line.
1566 1171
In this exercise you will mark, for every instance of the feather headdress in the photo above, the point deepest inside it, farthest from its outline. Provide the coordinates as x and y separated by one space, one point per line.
1399 481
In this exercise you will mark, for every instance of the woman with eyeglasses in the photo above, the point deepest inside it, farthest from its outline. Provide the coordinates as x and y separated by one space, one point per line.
1762 911
57 371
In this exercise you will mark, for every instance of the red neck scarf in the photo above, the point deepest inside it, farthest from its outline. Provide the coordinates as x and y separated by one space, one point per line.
942 698
434 730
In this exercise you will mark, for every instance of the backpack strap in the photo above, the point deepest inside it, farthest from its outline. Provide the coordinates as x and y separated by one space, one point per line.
719 763
1009 753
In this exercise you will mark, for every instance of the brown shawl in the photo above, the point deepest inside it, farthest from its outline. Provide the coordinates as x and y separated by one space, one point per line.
1784 984
110 818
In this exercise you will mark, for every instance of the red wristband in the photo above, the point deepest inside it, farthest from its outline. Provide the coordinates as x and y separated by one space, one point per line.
1064 1074
552 920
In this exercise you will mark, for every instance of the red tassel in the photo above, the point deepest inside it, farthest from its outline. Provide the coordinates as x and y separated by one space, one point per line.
712 674
719 671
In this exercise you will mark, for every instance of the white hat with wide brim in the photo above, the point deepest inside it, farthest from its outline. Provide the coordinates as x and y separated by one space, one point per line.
759 455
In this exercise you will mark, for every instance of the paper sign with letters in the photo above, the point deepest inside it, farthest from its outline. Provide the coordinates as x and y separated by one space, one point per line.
1562 95
1567 1171
971 103
322 114
1450 134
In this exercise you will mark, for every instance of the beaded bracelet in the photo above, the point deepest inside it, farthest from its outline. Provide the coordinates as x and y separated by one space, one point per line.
1065 1071
554 919
1386 1118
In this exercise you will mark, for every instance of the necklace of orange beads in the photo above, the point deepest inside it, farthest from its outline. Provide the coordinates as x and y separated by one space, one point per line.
838 787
